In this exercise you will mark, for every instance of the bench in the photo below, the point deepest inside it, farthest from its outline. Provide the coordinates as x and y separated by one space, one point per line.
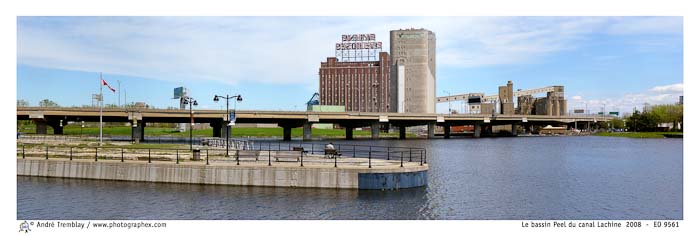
331 153
290 154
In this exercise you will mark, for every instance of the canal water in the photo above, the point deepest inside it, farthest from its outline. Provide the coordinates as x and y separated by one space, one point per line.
578 178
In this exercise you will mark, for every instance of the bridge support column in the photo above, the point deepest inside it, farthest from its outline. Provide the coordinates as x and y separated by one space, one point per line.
56 125
286 133
374 127
307 131
138 131
217 128
447 131
287 129
57 129
477 131
431 130
514 129
348 133
41 126
220 129
402 132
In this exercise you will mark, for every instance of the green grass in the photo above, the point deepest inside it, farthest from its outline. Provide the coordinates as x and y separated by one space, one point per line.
636 134
236 132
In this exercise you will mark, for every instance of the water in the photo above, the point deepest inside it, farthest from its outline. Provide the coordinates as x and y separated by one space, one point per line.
490 178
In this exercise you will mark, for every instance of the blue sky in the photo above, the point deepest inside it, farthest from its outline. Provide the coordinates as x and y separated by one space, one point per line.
622 62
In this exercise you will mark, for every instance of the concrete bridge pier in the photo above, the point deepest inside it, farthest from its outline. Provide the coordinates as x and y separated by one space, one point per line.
216 129
374 126
138 131
286 133
402 132
514 129
307 131
41 126
431 130
447 131
287 129
477 131
57 126
348 132
220 129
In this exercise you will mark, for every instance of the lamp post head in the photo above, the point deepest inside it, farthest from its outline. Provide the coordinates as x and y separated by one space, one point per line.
239 98
194 103
216 98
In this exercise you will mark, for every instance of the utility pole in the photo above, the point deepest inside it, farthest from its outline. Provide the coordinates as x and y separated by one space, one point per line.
119 95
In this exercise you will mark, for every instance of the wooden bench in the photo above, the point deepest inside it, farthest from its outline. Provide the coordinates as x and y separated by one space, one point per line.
286 155
331 153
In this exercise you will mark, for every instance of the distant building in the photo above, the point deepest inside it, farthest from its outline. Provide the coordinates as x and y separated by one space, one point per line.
357 85
554 104
413 71
505 96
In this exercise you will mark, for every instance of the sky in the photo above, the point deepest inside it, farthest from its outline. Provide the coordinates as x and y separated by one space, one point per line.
611 63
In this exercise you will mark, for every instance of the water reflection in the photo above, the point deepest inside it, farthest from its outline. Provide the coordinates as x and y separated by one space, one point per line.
488 178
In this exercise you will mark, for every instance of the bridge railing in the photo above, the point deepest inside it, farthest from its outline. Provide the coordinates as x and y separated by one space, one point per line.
259 153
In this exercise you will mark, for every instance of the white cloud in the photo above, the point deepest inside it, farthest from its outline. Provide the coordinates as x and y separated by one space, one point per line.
577 97
664 94
279 50
673 88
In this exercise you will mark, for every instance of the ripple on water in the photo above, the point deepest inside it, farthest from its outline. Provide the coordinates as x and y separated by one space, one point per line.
488 178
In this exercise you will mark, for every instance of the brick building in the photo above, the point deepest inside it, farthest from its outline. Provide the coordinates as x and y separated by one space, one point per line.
361 86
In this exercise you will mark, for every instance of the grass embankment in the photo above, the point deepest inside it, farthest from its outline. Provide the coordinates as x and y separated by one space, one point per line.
636 134
236 132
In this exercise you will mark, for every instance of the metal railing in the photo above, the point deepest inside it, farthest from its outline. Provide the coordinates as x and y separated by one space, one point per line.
259 152
117 138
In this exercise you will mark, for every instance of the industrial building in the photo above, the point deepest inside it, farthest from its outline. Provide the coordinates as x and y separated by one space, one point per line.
554 104
358 77
413 71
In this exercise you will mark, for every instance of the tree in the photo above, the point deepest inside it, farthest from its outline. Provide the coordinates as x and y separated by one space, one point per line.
47 103
649 121
668 113
22 103
633 121
617 123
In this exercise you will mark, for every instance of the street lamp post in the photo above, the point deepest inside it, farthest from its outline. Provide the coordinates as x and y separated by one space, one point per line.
191 101
228 130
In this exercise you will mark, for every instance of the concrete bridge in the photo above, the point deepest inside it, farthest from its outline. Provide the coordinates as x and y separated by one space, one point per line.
54 116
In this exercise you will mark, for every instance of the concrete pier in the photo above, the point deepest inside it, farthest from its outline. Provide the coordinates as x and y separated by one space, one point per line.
307 131
220 129
477 131
446 131
431 130
138 131
375 130
348 133
278 175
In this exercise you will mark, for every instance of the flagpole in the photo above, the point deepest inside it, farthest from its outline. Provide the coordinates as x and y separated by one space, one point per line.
101 100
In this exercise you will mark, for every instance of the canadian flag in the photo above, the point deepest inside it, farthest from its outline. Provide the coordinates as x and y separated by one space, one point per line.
110 87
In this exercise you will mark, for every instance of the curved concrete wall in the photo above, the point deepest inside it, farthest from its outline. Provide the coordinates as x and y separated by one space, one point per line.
278 176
